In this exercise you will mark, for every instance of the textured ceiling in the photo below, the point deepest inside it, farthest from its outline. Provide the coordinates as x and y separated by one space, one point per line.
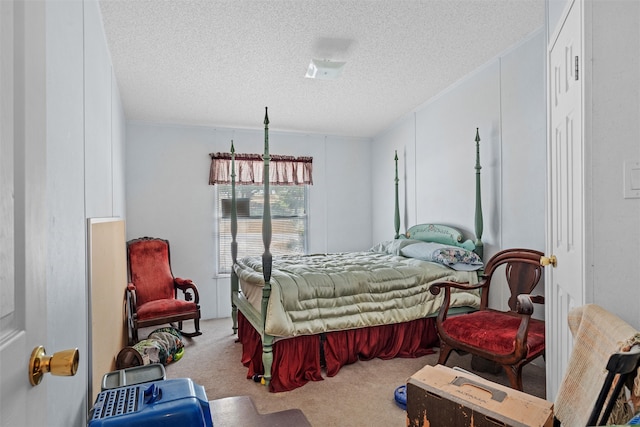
219 63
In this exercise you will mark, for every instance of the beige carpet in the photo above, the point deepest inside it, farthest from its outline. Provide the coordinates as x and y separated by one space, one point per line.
360 395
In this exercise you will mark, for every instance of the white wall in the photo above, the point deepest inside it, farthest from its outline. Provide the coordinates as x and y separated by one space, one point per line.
612 136
66 266
399 139
85 177
505 99
97 86
554 13
445 151
118 154
523 145
168 195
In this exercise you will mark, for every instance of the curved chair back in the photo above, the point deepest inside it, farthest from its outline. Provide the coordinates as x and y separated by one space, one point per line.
150 269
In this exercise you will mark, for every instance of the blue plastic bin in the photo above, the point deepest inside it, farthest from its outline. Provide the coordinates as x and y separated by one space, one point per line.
166 403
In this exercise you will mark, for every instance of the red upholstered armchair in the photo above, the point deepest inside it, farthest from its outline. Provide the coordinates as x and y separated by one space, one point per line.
509 338
152 291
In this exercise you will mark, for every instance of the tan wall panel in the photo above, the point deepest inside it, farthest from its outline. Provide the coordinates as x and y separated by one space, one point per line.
107 281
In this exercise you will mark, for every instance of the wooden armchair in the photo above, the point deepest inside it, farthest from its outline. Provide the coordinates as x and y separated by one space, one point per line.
152 291
509 338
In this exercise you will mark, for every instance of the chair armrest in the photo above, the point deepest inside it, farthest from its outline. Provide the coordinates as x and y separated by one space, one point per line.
447 285
525 308
524 305
131 298
525 302
435 287
537 299
188 288
180 282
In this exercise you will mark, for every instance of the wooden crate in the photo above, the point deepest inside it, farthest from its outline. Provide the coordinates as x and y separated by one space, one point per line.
438 396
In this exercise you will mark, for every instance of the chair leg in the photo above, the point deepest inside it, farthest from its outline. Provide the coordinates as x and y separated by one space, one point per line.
196 324
132 325
514 373
445 351
134 335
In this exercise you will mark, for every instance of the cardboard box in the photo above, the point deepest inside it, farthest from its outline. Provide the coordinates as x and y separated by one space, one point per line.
438 396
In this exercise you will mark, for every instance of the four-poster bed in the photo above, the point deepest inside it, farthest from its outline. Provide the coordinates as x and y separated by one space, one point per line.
296 315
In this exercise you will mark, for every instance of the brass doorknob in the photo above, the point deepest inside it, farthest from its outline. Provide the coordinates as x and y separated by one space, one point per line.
544 261
63 363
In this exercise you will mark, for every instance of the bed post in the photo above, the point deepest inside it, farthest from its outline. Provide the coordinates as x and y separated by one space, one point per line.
267 259
478 218
397 206
234 244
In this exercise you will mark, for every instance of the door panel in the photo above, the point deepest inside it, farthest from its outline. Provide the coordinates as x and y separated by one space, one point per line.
565 282
22 220
12 336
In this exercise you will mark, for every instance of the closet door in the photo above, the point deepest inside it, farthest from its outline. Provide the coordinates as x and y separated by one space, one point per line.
565 281
22 210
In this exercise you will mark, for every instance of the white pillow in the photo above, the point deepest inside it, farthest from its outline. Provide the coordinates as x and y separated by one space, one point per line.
392 247
452 256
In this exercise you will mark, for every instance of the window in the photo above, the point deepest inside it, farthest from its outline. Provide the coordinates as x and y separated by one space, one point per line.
289 179
288 218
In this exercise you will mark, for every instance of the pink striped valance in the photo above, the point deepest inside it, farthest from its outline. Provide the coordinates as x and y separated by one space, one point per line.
283 170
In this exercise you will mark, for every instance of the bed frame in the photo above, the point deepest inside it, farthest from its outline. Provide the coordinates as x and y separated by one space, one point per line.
239 302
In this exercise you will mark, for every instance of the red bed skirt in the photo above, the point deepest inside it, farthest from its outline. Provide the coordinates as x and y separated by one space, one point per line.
298 360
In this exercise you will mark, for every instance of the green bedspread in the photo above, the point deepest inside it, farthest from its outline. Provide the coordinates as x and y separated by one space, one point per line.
319 293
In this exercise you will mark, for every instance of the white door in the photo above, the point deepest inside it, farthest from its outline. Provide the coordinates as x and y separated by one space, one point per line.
22 213
564 282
